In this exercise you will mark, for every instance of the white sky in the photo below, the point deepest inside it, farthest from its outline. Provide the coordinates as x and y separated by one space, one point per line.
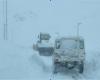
26 18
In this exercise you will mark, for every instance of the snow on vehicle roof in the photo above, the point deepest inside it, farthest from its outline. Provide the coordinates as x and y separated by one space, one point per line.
71 37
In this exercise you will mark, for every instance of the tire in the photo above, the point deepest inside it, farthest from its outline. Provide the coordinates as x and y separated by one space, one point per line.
81 67
55 70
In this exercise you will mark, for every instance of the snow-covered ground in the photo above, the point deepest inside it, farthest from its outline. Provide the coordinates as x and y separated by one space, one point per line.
19 63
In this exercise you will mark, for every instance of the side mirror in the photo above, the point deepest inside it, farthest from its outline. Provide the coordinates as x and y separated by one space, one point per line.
57 45
81 44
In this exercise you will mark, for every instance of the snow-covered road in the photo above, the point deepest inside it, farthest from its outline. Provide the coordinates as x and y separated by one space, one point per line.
23 63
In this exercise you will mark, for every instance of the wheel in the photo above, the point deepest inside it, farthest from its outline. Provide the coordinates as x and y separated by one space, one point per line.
81 67
55 70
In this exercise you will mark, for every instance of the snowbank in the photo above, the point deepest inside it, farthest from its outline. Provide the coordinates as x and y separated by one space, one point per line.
23 63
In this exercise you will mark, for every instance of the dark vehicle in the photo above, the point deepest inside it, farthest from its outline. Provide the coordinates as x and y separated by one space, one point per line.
44 47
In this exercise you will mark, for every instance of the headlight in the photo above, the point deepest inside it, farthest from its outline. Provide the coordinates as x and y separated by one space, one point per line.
58 56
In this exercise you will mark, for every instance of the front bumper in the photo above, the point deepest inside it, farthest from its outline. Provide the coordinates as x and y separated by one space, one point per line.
69 65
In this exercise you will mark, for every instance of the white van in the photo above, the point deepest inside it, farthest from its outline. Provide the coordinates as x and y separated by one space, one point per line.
69 53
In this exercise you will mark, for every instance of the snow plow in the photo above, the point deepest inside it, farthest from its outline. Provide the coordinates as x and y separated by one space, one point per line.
44 47
69 53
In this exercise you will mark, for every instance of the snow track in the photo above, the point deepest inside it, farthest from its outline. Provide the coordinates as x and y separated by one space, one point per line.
73 76
46 65
24 63
78 76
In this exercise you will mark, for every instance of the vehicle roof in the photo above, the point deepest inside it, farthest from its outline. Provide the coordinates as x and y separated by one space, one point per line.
70 38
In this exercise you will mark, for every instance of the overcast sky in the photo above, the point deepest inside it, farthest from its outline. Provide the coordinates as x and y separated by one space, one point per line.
26 18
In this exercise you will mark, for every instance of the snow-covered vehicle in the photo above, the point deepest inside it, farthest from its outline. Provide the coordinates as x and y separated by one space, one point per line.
44 46
69 53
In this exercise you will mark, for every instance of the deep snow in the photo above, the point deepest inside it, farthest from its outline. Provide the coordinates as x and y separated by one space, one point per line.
24 63
26 18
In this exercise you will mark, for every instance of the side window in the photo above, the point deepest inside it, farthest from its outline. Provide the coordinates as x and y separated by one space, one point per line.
81 44
57 44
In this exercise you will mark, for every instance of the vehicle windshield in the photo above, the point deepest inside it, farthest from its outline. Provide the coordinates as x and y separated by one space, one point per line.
68 44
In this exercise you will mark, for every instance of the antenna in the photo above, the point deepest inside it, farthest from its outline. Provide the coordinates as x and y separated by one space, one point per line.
78 25
78 36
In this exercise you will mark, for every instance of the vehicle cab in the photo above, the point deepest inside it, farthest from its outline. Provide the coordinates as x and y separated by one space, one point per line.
69 52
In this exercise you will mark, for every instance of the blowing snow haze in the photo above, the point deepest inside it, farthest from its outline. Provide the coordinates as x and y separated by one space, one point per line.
27 18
